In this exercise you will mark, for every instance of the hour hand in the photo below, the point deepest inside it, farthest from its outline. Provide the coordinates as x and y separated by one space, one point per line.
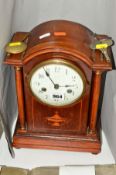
69 85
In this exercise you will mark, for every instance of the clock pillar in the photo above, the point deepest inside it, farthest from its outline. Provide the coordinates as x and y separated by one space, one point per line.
95 99
20 97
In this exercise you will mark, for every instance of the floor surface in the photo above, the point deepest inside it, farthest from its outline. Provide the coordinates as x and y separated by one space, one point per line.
106 170
100 170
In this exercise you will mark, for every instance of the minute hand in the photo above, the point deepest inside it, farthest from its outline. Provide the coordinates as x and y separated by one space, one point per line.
48 75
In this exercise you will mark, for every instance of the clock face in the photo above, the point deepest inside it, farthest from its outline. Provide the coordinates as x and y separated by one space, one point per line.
57 82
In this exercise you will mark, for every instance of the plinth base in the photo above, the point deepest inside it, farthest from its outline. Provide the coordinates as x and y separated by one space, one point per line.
81 143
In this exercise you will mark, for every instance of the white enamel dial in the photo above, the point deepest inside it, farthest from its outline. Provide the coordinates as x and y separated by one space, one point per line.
57 82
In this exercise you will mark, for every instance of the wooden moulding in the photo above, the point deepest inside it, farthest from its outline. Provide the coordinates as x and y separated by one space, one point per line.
82 144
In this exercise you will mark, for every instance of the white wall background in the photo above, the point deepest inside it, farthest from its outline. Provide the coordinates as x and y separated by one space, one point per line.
99 16
7 108
94 14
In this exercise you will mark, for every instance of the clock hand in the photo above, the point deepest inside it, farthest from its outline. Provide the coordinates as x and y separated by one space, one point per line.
48 75
68 85
56 86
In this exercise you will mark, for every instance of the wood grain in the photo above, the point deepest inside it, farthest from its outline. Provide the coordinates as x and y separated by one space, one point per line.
74 128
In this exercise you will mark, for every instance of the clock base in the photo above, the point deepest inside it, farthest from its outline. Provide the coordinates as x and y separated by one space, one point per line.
83 143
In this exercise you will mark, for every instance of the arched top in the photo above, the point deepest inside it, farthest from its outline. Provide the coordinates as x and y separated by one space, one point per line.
59 24
60 36
59 30
60 33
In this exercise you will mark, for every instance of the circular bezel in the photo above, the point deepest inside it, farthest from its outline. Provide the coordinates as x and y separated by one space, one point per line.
60 62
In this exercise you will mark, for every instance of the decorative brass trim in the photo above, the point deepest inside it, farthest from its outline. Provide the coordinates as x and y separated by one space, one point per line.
98 72
15 47
17 68
57 61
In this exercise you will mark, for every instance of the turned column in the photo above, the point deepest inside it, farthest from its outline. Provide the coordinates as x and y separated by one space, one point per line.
95 99
20 96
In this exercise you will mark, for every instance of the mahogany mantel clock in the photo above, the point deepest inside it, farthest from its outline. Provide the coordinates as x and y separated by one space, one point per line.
58 69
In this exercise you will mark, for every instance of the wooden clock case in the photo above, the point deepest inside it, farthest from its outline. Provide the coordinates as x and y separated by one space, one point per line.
74 127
